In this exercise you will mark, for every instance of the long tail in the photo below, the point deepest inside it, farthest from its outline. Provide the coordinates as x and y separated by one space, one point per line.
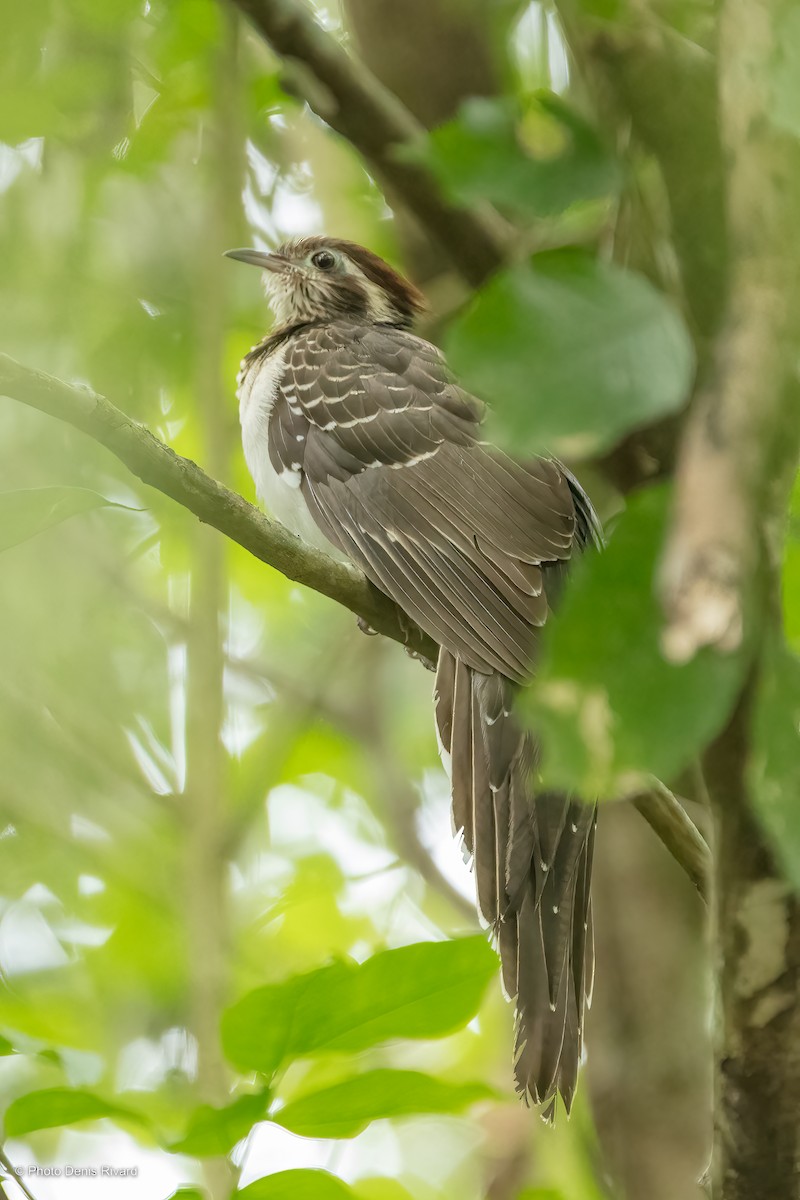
532 857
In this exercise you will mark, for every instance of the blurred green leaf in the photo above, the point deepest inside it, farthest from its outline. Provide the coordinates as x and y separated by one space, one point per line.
537 164
29 511
215 1131
774 765
345 1109
609 708
53 1107
27 112
426 990
785 74
111 14
297 1185
573 353
377 1187
6 1047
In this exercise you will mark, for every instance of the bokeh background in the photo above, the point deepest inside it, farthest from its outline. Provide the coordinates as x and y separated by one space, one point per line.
211 780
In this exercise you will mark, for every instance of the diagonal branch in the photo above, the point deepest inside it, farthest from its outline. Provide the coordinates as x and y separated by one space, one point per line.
12 1174
669 820
353 101
182 480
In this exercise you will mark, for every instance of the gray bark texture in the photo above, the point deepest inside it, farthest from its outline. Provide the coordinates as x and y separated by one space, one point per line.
757 945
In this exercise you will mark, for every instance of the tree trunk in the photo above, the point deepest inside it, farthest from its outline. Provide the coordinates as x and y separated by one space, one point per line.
756 1153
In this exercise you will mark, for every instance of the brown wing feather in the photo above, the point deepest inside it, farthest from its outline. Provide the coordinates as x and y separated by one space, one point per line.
467 541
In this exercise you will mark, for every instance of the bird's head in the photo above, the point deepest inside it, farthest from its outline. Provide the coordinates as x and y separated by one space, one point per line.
320 278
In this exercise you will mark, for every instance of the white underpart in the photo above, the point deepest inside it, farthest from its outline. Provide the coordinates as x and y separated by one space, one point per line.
278 491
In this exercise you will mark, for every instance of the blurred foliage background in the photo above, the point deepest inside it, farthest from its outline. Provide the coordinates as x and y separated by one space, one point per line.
212 782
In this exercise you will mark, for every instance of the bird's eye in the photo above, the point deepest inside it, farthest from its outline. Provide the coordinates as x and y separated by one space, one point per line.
324 260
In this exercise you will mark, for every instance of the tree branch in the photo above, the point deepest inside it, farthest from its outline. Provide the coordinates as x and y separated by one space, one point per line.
182 480
648 79
349 98
740 443
202 808
666 87
215 505
720 578
669 820
710 561
12 1174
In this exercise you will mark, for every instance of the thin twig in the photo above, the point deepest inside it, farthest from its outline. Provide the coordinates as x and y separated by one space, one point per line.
12 1174
353 101
669 820
182 480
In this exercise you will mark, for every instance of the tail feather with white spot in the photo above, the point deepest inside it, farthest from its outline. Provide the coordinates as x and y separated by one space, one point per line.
532 857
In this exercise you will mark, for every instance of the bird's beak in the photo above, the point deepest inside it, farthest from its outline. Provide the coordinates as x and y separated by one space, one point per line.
259 258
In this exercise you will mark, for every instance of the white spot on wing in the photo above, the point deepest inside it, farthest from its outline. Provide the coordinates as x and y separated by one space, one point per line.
417 458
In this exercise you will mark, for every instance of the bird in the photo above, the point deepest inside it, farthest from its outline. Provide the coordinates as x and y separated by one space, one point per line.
360 440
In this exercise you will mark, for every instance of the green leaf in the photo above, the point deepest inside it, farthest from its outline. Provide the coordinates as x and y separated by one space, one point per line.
27 112
6 1047
426 990
609 709
343 1110
774 766
297 1185
53 1107
376 1187
25 513
573 353
215 1131
537 164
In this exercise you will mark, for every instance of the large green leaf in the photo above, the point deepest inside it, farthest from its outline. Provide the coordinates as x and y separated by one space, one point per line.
572 353
344 1109
214 1131
536 164
774 765
25 513
608 707
422 991
297 1185
377 1187
53 1107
